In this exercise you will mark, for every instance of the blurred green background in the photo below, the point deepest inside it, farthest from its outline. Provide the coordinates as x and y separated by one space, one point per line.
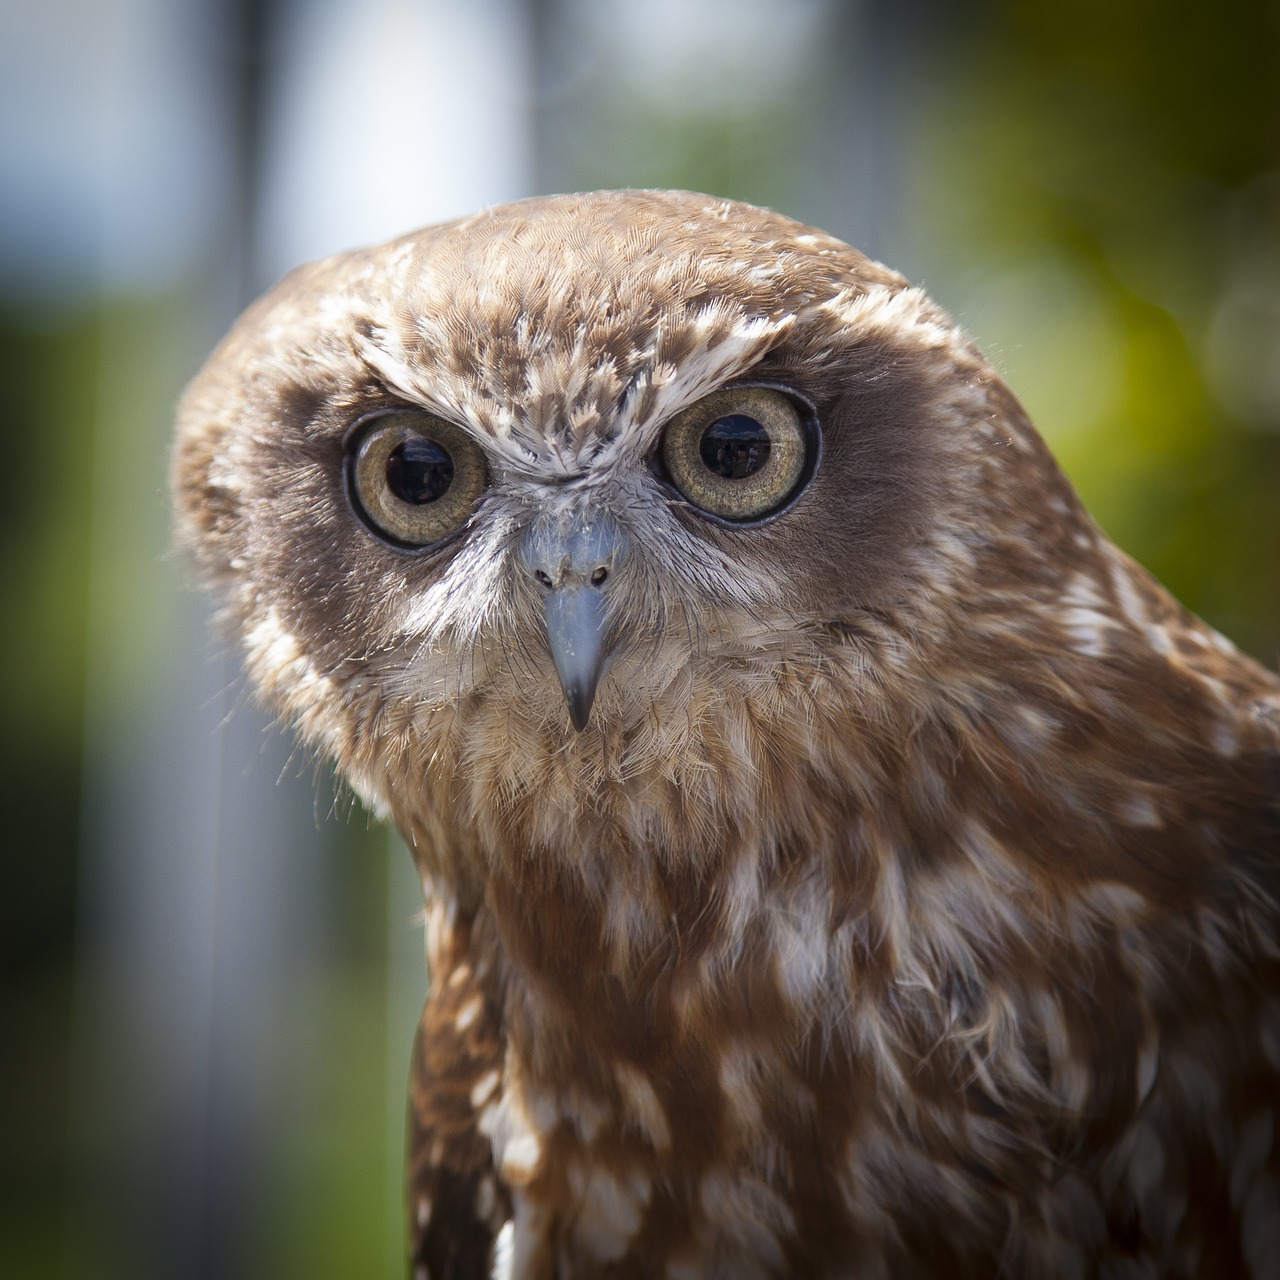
210 962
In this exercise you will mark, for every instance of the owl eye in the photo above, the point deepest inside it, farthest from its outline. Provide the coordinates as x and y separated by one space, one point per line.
414 478
741 454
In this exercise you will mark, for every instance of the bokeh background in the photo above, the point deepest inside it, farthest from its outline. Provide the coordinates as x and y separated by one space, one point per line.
211 961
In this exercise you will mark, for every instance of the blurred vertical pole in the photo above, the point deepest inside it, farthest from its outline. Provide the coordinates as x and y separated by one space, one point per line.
553 102
860 147
857 157
250 25
197 869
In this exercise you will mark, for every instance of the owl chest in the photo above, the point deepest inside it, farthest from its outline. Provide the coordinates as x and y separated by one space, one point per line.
719 1089
666 1091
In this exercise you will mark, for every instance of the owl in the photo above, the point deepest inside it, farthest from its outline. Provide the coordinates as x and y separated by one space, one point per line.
840 859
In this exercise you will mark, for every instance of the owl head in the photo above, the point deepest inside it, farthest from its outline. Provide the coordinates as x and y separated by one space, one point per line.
582 497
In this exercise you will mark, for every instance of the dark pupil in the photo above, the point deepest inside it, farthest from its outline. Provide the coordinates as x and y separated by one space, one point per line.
734 446
419 471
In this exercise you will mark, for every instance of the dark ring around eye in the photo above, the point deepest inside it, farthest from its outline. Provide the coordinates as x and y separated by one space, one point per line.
379 473
811 430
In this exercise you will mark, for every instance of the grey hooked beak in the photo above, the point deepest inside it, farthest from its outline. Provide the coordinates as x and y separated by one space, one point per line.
573 564
575 629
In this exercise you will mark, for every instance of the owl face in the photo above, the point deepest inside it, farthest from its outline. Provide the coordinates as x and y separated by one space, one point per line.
580 473
587 541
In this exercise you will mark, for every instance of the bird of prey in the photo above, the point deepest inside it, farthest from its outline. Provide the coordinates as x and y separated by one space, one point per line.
840 859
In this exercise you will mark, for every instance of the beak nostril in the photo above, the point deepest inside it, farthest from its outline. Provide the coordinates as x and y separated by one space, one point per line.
598 577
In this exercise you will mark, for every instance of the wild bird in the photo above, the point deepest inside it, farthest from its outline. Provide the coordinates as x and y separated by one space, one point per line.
840 859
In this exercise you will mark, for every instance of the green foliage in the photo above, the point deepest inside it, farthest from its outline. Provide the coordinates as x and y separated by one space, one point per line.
1109 177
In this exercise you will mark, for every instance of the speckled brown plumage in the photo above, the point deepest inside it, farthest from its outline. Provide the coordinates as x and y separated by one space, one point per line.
459 1203
907 906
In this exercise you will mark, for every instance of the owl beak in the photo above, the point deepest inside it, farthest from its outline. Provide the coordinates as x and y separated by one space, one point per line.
572 561
574 617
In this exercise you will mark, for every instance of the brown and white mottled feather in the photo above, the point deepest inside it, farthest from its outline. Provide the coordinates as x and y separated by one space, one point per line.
907 908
